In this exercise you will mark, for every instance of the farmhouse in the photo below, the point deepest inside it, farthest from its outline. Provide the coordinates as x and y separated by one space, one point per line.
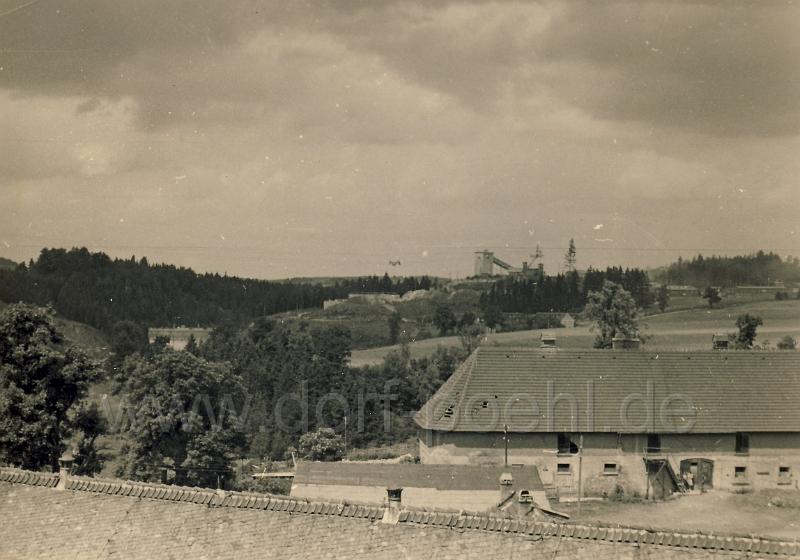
629 420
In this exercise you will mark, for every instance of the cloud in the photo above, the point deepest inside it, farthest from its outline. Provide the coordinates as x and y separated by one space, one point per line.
338 134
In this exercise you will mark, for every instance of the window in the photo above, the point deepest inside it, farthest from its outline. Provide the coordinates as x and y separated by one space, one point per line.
653 443
740 472
610 468
564 468
742 442
565 445
784 472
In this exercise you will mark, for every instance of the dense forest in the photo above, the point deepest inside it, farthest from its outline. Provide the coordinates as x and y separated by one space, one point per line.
759 269
564 292
95 289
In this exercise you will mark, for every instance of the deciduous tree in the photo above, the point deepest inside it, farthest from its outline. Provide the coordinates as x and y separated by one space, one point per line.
322 444
711 294
747 325
43 381
185 413
614 312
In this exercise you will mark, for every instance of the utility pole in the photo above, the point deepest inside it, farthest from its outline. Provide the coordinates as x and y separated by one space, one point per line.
580 474
345 434
505 440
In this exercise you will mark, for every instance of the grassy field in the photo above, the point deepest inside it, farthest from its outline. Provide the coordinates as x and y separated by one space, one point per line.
768 513
689 329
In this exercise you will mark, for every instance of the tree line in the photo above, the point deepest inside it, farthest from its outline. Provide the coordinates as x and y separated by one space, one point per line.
759 269
564 292
92 288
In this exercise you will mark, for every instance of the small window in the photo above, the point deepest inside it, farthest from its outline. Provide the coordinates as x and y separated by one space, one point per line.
565 445
564 468
485 404
448 412
653 443
610 468
740 472
742 442
784 472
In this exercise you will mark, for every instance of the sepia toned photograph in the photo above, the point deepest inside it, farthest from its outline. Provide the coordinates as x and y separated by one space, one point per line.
399 279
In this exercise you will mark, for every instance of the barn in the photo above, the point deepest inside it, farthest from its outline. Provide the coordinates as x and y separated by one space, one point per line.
610 421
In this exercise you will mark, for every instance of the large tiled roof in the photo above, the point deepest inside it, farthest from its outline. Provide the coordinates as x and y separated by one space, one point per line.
440 477
530 390
107 519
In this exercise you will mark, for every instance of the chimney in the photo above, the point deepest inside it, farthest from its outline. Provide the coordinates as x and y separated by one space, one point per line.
625 343
547 340
64 466
720 341
391 514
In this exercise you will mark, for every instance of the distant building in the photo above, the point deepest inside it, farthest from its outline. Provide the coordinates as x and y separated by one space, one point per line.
179 336
454 487
375 297
684 290
555 319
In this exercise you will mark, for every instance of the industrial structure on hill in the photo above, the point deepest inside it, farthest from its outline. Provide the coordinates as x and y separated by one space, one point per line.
485 262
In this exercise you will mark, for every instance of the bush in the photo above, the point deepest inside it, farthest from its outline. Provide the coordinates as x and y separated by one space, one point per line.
787 343
322 445
280 486
625 496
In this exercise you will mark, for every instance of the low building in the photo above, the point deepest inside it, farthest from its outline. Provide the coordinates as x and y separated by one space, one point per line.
375 297
627 420
682 290
178 336
453 487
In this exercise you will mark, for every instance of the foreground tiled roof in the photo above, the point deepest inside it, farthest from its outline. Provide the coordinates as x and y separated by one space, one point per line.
441 477
727 391
107 519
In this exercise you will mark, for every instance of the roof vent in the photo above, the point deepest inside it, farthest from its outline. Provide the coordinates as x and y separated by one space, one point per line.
391 515
547 340
525 497
625 343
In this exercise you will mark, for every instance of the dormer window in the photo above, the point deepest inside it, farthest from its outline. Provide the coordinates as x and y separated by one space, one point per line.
742 443
565 445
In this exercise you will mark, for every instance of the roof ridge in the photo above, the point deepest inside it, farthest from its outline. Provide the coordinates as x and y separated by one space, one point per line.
452 520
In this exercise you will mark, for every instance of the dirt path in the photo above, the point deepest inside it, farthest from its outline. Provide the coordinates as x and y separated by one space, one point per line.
714 512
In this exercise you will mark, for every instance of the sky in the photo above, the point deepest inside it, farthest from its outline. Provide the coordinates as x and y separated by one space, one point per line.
327 138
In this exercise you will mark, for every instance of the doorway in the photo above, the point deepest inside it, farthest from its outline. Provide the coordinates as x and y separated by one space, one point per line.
698 474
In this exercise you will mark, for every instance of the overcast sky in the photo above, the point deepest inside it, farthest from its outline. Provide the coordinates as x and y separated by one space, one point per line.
276 139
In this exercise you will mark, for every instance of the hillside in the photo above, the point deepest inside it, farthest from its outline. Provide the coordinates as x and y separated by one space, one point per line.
679 330
6 264
95 289
90 339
